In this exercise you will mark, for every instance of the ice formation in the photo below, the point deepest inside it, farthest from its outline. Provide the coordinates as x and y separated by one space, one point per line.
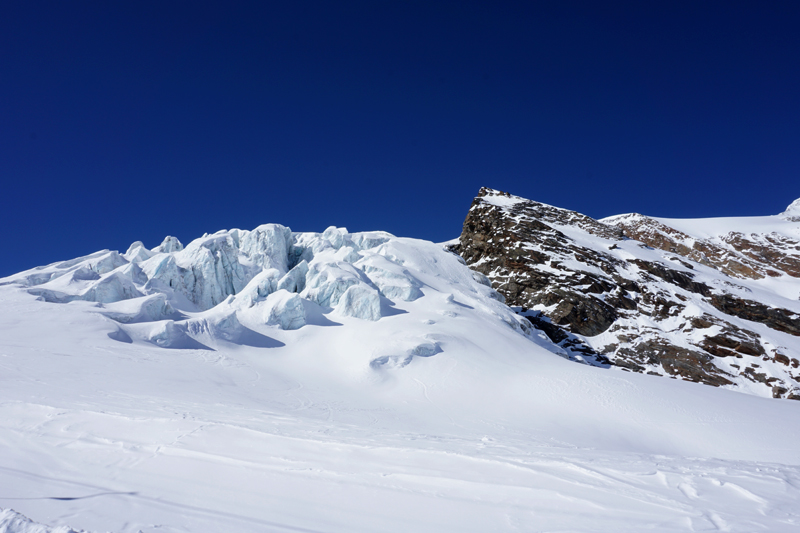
191 297
360 301
285 309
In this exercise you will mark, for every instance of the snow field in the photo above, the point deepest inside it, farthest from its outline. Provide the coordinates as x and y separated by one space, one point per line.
444 414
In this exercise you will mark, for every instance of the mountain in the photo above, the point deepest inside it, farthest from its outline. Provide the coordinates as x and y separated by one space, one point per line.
706 300
270 380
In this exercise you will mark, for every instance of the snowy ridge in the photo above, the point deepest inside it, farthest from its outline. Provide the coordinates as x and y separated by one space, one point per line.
792 212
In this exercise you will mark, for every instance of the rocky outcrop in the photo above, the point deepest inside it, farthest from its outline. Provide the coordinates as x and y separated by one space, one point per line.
736 254
637 294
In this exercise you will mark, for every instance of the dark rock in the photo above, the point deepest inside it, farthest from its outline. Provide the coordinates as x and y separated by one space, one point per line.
778 391
775 318
681 279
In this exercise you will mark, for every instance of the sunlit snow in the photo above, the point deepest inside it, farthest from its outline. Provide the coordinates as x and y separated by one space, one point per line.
332 382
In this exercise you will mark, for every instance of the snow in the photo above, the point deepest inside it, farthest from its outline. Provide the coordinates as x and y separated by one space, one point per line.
295 279
360 301
137 253
708 228
782 291
502 201
284 309
13 522
206 405
169 244
714 228
793 209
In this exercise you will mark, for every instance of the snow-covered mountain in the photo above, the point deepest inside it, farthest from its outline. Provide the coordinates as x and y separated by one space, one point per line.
269 380
707 300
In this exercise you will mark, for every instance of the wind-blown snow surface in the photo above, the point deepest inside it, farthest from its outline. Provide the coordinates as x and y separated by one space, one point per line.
276 381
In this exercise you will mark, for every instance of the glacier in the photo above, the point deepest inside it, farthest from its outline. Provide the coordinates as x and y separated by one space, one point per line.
350 273
194 296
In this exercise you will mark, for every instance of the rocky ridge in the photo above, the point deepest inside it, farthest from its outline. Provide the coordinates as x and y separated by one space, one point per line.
636 293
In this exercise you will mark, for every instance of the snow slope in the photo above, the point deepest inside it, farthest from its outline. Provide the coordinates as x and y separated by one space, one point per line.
783 232
279 381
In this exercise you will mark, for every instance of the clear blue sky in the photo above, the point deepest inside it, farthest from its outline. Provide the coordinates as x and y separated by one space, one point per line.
123 121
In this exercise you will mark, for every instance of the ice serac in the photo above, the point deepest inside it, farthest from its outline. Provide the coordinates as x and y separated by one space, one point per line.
327 282
112 288
335 236
168 334
295 279
107 263
713 301
137 252
151 308
284 309
168 245
211 270
244 287
392 279
268 246
262 285
360 301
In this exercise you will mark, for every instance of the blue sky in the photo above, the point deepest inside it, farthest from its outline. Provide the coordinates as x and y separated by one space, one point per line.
131 121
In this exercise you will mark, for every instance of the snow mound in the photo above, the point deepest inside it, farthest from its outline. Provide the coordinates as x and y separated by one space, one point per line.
152 308
170 244
168 334
14 522
137 253
421 349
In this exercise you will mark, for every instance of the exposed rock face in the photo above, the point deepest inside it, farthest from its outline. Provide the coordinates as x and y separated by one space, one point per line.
633 292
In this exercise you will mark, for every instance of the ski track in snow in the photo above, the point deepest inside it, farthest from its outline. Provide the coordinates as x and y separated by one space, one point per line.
465 423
